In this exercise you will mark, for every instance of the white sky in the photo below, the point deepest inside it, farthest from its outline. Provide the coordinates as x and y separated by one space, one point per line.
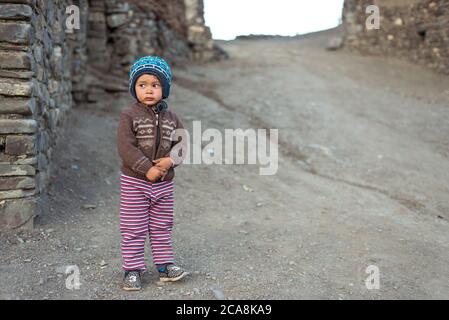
230 18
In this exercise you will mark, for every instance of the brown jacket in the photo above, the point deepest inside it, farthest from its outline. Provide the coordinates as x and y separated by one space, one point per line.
144 135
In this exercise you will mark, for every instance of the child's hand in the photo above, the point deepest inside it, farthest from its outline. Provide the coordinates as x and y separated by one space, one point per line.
155 173
163 163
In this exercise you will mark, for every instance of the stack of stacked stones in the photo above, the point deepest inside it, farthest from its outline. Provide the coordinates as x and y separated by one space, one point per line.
35 94
118 31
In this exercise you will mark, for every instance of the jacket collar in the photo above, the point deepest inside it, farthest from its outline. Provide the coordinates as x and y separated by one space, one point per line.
159 107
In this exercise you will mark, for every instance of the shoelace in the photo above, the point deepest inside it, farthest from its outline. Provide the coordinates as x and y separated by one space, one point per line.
132 276
175 268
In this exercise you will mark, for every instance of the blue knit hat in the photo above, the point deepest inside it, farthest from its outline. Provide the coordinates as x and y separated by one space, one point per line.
151 65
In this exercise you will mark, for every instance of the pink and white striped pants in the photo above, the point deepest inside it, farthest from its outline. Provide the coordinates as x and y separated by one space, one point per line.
145 209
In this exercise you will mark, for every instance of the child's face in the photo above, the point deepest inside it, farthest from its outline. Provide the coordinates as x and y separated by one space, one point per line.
148 89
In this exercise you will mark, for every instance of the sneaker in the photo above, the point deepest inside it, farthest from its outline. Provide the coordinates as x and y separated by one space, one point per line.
172 273
131 281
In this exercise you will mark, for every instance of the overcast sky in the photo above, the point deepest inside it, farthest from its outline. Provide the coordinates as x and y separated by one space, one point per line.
229 18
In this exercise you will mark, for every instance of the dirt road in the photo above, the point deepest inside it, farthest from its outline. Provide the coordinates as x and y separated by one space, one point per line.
363 180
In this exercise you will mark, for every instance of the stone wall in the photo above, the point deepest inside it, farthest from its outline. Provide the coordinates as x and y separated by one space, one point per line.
118 31
43 65
416 29
35 94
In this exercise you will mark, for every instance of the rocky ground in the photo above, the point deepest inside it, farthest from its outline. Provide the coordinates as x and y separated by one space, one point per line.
362 180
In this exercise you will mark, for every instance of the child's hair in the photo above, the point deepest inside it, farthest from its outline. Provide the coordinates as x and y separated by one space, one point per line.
151 65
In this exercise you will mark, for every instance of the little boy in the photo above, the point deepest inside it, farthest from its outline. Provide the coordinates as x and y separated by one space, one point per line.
144 143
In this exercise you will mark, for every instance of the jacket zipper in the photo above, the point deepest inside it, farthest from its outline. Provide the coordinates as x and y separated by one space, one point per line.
157 136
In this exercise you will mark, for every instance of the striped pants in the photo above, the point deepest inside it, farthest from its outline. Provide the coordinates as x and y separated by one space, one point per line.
145 209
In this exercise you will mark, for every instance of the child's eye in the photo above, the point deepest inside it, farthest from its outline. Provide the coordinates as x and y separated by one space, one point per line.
156 85
142 85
